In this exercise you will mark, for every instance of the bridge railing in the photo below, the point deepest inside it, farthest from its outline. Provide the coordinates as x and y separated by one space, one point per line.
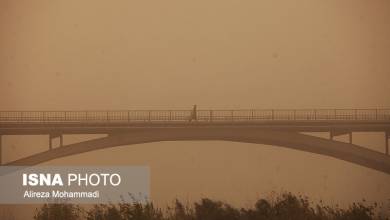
201 115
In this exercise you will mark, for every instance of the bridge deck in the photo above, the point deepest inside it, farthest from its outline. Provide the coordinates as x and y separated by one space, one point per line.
316 120
273 127
249 115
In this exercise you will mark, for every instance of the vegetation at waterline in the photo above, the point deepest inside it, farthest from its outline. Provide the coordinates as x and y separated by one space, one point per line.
284 207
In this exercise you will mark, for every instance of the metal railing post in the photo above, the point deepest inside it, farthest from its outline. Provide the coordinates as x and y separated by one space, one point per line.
356 114
376 114
295 113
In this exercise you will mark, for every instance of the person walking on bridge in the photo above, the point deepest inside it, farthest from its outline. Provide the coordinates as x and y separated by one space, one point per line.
193 114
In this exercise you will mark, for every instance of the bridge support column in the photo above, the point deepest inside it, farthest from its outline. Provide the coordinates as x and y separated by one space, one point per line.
387 137
350 137
61 141
1 150
50 142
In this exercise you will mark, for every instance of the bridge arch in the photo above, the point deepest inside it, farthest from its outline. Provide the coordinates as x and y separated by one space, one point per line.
293 140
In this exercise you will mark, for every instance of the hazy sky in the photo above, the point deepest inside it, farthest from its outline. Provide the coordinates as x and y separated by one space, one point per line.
90 54
164 54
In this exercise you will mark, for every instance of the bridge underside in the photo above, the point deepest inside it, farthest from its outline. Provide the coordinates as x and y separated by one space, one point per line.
290 139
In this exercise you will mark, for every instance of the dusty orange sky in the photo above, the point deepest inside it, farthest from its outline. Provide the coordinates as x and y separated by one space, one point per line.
165 54
77 55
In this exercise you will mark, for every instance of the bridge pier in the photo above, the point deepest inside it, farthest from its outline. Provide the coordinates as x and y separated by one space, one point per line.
350 137
1 150
50 142
387 137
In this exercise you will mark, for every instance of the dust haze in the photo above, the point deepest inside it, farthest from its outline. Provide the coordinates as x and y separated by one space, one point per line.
100 55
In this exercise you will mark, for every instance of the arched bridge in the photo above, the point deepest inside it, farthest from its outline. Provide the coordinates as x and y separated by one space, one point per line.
283 128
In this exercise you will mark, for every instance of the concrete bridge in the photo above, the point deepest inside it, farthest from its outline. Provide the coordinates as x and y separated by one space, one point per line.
282 127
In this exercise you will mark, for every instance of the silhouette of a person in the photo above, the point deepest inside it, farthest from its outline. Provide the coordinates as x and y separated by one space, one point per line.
193 114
